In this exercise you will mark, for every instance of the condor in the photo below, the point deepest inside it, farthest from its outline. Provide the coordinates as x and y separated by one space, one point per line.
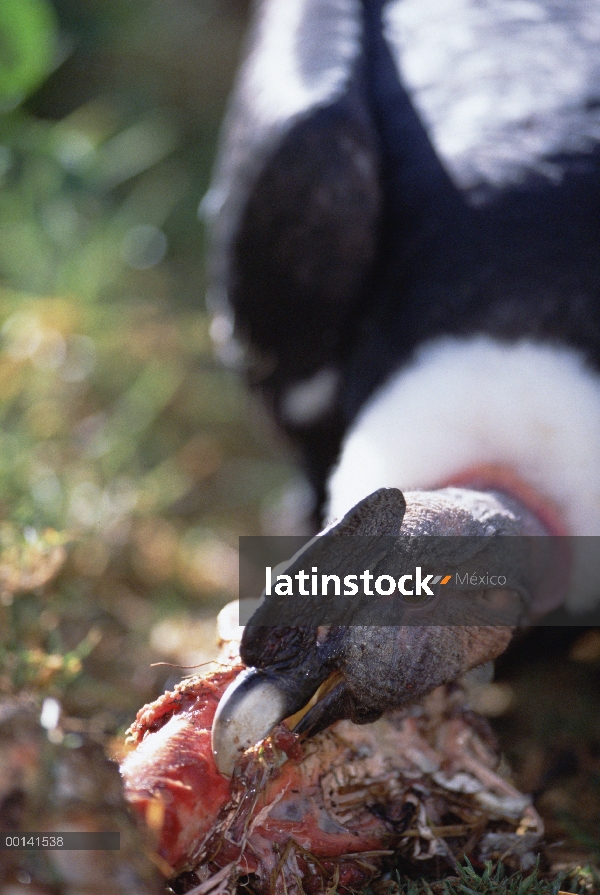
406 235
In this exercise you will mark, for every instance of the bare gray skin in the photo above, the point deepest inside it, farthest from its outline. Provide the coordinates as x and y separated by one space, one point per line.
373 668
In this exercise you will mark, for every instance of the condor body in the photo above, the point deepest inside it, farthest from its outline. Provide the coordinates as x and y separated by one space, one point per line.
406 219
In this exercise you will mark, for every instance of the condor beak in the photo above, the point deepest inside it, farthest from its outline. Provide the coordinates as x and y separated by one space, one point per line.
250 708
296 663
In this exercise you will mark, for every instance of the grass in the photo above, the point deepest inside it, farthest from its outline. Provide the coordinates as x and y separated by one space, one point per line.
498 881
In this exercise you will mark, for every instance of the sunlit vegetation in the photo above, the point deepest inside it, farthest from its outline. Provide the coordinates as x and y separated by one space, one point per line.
129 458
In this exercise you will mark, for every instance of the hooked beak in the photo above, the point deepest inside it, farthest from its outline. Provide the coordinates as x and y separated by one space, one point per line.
288 665
249 709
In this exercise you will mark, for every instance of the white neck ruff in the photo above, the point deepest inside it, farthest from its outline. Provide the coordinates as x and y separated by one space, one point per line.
533 408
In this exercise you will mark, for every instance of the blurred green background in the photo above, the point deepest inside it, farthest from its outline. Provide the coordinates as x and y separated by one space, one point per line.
130 461
130 458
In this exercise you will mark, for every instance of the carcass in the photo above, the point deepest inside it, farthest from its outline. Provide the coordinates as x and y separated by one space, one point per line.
417 785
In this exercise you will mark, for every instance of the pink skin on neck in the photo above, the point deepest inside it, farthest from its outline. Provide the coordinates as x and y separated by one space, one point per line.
494 477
